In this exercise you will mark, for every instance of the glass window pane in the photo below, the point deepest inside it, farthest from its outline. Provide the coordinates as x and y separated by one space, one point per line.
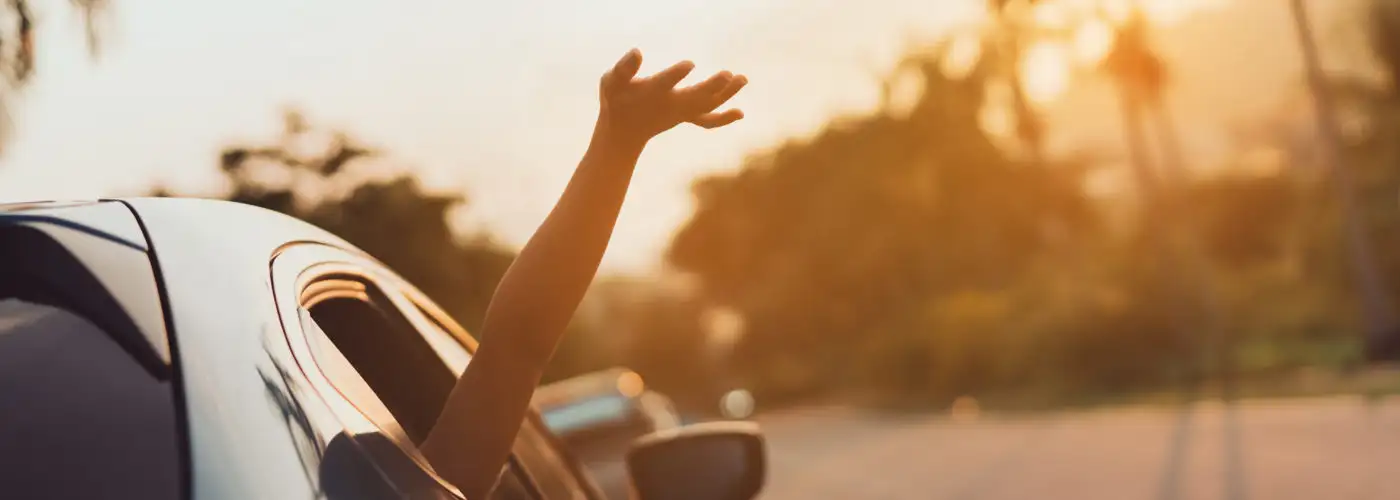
80 418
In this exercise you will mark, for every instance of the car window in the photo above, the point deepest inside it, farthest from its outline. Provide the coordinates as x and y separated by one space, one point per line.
79 417
381 350
390 372
378 351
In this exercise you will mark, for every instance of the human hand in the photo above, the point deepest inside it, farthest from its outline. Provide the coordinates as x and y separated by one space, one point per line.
634 109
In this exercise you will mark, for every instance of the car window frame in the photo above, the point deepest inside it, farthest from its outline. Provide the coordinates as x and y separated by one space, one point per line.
294 267
300 265
548 455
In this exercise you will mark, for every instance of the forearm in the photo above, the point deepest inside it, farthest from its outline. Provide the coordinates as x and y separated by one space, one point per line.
527 317
541 290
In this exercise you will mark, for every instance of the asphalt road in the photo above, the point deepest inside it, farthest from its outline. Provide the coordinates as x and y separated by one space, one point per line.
1337 448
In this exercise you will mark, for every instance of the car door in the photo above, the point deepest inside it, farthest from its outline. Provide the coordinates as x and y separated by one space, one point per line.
382 351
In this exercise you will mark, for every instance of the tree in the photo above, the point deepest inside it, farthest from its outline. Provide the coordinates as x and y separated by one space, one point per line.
312 175
17 62
860 236
1378 306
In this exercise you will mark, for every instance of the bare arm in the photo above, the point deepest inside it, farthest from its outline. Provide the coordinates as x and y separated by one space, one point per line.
539 293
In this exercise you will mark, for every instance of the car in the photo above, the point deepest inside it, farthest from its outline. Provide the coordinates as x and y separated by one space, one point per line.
199 349
585 407
599 415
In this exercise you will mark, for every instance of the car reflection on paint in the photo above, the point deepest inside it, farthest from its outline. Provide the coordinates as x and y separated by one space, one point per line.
598 415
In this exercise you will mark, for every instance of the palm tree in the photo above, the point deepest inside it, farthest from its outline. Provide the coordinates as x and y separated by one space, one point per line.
1378 312
1141 77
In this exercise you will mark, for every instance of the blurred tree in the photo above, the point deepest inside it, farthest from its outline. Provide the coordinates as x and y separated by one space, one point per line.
17 26
326 178
329 179
1168 218
668 345
1376 303
1244 219
837 244
1384 16
1012 30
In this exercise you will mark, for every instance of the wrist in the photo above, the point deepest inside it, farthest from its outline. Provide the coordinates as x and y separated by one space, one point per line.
608 138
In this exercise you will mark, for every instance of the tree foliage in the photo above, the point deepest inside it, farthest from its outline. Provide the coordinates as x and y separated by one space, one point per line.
322 177
17 46
913 254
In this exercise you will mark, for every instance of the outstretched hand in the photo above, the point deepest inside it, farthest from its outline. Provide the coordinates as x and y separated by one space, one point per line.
535 300
637 109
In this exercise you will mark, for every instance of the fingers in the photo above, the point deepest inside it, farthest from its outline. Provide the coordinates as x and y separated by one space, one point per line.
669 77
710 86
714 91
716 120
625 69
723 96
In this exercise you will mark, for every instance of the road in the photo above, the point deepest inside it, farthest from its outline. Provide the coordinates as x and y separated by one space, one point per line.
1335 448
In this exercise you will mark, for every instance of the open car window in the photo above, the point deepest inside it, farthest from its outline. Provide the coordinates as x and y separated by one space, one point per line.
394 364
556 474
373 354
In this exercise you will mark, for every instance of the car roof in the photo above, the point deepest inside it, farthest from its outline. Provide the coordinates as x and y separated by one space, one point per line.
233 222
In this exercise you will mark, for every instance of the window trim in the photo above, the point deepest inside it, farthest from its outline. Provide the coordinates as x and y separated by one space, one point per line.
420 308
298 266
304 265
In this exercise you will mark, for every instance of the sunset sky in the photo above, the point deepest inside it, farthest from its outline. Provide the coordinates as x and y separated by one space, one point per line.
496 99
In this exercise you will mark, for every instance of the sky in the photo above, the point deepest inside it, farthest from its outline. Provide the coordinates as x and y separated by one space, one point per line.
496 99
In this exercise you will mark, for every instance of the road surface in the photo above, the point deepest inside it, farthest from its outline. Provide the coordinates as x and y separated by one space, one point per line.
1336 448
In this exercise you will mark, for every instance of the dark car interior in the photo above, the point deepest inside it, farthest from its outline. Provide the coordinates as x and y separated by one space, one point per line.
391 357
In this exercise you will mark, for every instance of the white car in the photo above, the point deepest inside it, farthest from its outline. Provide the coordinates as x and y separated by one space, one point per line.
190 349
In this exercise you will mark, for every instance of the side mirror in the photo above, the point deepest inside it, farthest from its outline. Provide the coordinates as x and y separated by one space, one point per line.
711 461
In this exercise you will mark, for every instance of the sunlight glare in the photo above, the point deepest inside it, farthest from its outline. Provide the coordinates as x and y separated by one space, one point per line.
1051 15
905 89
1092 41
1173 11
963 54
1045 71
1158 11
1117 11
997 120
